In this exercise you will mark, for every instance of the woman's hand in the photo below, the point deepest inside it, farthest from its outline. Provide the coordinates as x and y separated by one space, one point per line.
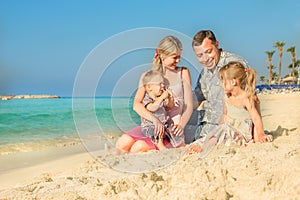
177 129
159 129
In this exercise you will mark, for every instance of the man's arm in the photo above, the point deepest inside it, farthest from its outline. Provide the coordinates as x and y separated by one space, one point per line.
198 91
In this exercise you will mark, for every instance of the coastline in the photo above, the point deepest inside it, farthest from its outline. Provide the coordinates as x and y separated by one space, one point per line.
26 96
262 171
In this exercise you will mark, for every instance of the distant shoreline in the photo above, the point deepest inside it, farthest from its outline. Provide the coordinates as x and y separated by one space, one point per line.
8 97
40 96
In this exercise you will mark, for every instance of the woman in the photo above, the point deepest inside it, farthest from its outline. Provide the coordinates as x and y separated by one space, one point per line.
178 80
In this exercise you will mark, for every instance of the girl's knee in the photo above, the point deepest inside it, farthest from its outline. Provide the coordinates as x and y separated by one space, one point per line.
139 146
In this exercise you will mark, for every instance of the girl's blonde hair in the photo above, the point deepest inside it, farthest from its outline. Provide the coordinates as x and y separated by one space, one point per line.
167 46
245 76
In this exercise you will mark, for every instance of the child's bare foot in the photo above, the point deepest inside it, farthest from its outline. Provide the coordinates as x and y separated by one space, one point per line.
160 145
193 148
202 148
181 145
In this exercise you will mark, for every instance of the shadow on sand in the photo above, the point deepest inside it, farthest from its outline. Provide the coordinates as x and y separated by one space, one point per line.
280 131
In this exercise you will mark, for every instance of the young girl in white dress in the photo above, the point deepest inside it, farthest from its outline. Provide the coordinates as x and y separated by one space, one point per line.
239 114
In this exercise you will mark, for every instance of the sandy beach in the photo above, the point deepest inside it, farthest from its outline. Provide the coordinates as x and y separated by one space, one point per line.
258 171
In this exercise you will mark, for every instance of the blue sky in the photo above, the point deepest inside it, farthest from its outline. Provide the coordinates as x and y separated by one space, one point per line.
44 44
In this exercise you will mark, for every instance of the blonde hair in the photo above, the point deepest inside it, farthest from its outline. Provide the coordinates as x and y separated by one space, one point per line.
167 46
245 76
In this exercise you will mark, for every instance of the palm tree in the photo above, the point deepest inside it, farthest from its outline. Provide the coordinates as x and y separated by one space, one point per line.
298 72
297 63
294 71
275 76
293 54
262 79
270 55
279 45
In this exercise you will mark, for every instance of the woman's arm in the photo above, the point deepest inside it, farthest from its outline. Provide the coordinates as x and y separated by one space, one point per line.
188 103
188 97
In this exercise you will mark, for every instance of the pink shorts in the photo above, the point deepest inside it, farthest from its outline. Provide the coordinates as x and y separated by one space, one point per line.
136 134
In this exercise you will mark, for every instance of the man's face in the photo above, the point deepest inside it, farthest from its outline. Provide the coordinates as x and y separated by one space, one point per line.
207 53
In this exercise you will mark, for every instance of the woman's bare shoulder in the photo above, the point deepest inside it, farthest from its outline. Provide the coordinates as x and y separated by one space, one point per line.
184 70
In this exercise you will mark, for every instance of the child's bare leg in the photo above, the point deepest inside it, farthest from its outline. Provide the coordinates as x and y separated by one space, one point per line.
181 145
160 145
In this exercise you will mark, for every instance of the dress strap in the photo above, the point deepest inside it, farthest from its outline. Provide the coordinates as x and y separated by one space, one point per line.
182 68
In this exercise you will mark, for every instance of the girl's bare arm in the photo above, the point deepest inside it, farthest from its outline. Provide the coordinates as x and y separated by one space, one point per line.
259 133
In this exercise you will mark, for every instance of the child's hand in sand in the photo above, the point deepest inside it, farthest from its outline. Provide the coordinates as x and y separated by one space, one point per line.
263 138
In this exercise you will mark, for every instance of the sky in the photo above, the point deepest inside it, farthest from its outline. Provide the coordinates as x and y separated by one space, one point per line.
86 47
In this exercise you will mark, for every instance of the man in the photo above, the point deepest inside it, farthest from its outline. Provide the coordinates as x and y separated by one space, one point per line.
209 87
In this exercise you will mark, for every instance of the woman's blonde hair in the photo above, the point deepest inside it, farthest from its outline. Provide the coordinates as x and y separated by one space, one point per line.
245 76
167 46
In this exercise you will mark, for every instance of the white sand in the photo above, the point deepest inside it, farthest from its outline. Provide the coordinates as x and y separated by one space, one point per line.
259 171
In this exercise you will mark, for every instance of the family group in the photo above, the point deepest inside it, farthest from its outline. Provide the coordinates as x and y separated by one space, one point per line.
224 102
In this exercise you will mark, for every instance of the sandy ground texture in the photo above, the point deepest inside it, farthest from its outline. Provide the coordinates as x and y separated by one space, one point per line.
259 171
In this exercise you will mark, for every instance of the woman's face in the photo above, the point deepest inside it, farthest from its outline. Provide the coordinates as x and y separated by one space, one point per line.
172 60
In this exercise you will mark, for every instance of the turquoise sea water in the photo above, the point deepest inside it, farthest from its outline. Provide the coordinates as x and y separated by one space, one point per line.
28 124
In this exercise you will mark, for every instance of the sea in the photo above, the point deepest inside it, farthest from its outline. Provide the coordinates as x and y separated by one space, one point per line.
33 124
